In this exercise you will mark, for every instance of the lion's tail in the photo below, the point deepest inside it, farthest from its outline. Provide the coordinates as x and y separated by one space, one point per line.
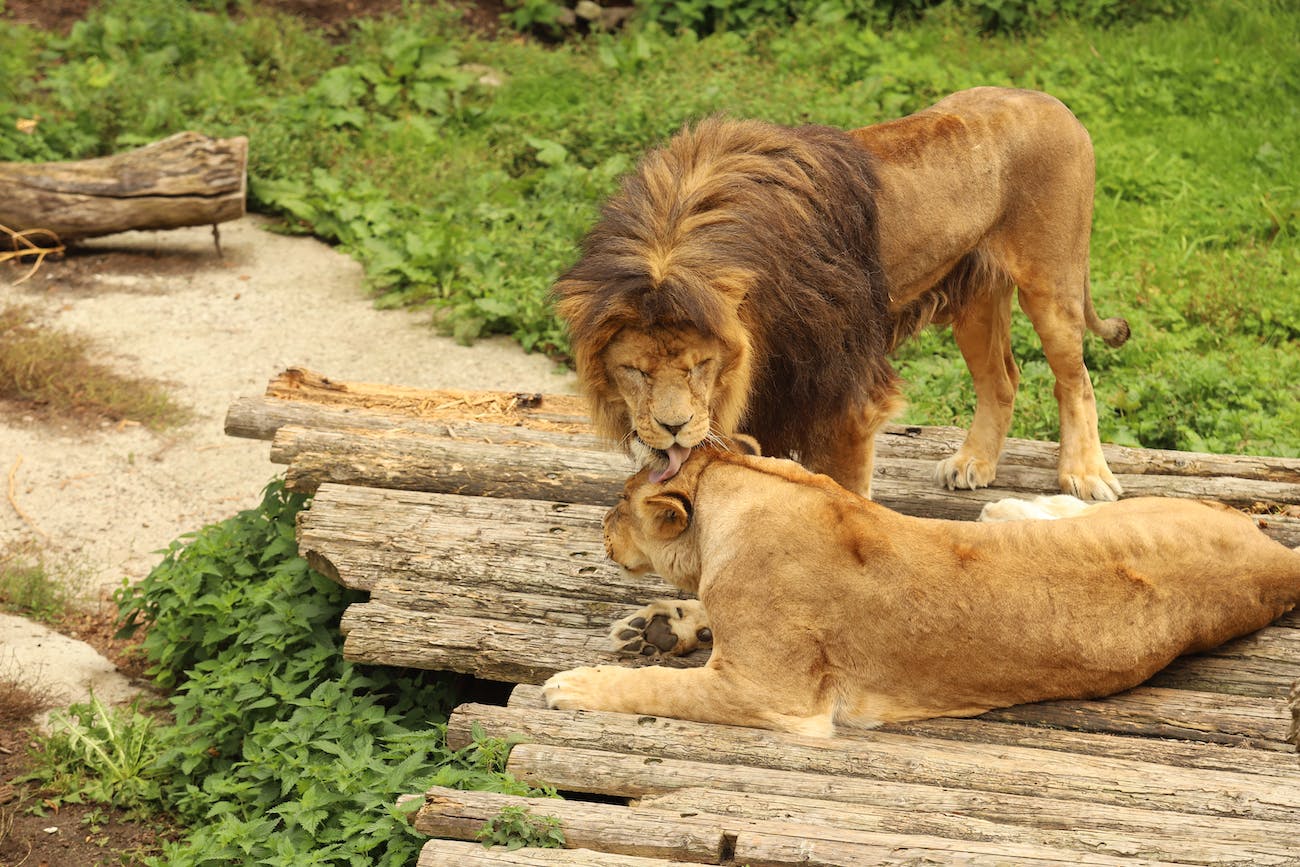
1114 331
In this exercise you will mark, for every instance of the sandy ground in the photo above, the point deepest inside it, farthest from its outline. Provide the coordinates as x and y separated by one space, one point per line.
163 304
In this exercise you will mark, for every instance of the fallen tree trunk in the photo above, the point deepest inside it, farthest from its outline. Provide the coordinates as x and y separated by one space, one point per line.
187 179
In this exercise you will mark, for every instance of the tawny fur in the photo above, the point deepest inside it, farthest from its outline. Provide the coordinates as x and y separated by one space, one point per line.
826 607
752 277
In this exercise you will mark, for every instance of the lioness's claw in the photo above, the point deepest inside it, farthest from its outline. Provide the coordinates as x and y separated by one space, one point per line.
667 627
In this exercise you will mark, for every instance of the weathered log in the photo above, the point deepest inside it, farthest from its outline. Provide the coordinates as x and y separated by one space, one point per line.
187 179
1021 793
1177 837
883 758
603 827
260 418
771 839
405 460
1205 755
1188 754
296 396
456 853
543 412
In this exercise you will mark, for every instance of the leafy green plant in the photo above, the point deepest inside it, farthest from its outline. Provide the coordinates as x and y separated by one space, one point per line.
282 752
97 753
516 827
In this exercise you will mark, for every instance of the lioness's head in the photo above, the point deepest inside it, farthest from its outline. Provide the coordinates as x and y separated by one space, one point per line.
650 530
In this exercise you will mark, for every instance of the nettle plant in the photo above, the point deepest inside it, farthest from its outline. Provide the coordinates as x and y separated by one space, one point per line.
282 752
516 827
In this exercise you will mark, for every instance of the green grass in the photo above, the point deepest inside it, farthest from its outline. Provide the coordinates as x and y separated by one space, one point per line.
462 172
27 586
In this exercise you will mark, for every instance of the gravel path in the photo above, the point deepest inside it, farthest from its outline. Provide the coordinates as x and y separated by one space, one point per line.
163 304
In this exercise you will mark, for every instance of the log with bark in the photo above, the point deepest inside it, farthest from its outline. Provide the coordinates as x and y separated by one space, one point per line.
187 179
494 444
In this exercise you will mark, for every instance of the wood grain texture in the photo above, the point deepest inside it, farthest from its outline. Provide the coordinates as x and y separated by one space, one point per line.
187 179
882 757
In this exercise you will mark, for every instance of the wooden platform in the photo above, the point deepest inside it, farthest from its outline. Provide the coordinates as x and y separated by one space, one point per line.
473 521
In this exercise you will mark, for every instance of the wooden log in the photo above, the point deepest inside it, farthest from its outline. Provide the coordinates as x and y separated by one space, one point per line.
410 461
260 418
456 853
294 397
1205 755
405 460
1029 795
187 179
1178 837
881 757
602 827
543 412
642 832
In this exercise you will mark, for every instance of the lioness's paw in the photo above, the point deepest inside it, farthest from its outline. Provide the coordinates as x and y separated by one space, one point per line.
1098 486
965 473
1038 509
579 689
665 627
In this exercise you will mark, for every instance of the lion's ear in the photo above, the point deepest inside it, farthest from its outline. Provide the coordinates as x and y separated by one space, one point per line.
668 515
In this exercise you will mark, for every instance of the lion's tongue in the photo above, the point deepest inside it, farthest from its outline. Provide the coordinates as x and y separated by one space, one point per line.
676 455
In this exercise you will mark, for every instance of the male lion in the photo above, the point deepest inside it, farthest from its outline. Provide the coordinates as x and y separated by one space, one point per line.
751 277
826 607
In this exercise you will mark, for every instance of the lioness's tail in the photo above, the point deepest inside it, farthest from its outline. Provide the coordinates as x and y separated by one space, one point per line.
1114 331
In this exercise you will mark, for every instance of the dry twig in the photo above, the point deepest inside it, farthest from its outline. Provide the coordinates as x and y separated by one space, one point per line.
23 247
13 500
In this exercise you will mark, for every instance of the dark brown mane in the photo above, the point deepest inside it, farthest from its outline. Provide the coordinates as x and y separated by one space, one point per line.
744 220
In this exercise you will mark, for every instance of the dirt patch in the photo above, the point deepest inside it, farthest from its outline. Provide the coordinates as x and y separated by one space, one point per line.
32 832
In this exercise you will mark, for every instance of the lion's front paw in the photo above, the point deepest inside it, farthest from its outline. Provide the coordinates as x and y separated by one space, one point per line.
665 627
964 472
579 689
1091 486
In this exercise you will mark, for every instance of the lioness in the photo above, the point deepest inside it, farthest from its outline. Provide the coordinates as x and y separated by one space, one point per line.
752 277
827 608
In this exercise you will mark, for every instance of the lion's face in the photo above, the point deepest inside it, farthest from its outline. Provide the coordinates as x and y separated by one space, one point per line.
671 385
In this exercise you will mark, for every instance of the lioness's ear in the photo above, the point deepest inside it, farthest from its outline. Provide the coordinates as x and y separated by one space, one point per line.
744 444
668 515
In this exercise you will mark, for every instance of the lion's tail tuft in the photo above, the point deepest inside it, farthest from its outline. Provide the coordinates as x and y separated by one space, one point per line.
1114 331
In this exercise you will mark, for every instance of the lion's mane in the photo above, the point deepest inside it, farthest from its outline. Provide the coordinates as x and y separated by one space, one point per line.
764 237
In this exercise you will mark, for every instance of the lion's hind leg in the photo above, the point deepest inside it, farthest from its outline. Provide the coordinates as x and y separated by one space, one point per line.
983 333
702 694
665 627
1059 321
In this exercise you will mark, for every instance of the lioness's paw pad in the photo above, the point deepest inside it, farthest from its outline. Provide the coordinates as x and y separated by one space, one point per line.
667 627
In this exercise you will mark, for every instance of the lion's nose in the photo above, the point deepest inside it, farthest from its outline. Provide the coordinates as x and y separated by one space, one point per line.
673 428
